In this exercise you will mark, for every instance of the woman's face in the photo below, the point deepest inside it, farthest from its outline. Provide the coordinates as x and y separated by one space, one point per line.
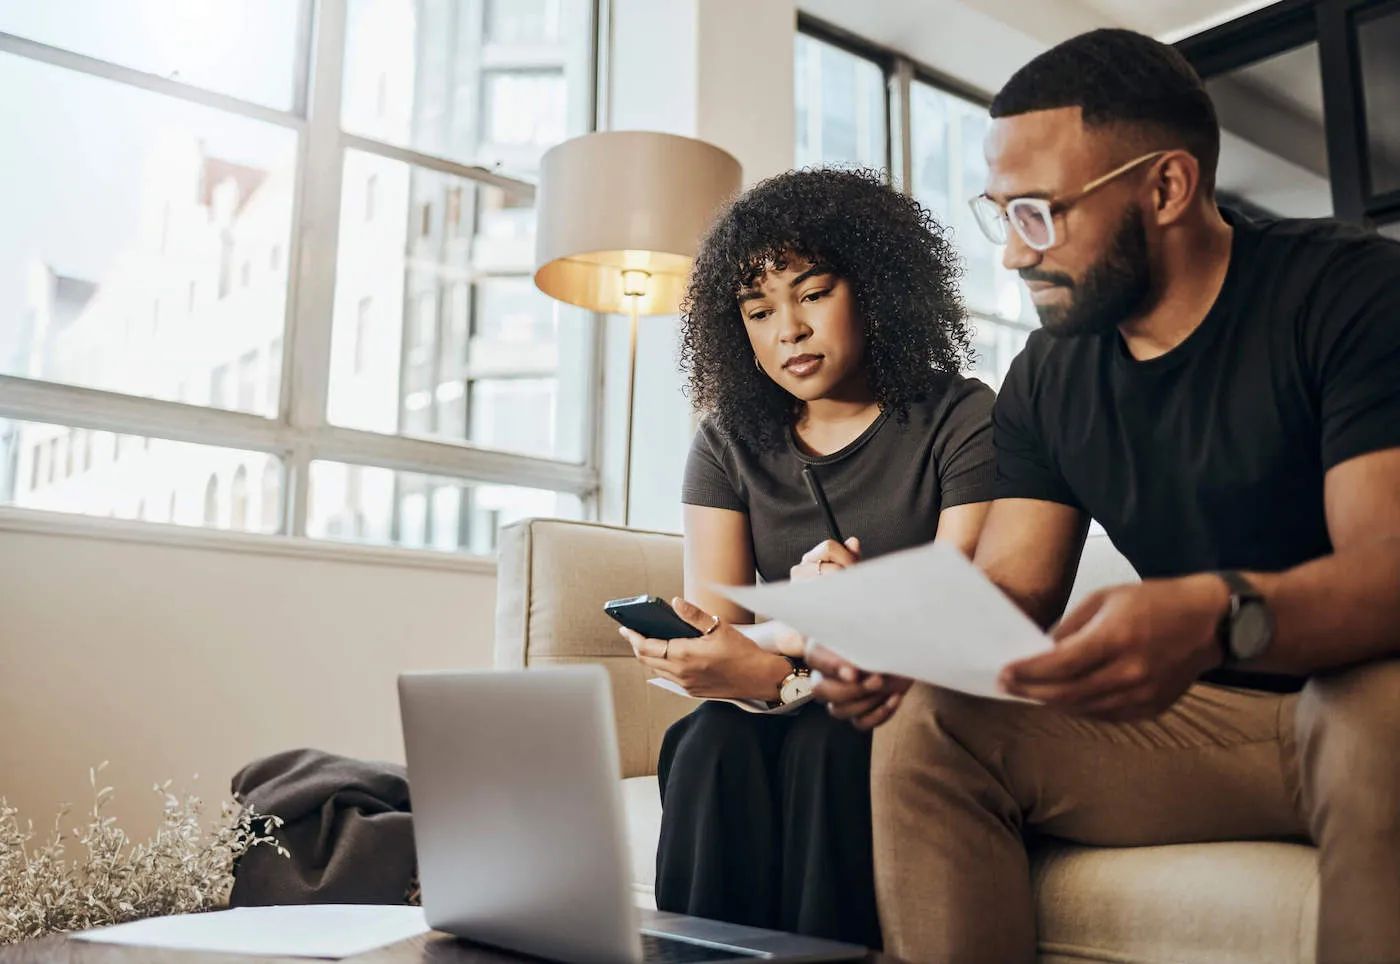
802 323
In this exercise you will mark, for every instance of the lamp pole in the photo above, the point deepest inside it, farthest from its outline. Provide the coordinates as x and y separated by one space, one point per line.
634 287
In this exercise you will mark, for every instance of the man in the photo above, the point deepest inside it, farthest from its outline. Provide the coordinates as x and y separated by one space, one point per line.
1224 397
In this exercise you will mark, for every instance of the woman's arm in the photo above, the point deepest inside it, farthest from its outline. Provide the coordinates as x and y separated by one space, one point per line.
718 551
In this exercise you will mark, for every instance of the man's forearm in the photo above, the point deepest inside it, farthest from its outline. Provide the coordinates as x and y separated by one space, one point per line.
1334 611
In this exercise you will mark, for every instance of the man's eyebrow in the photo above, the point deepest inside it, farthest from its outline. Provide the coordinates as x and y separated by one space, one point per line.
1009 196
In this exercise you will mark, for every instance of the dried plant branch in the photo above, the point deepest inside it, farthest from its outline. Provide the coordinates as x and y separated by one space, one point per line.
113 880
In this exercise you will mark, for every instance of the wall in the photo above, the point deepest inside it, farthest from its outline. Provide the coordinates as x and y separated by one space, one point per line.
170 655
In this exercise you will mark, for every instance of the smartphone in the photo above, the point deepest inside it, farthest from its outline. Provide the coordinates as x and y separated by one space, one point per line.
650 616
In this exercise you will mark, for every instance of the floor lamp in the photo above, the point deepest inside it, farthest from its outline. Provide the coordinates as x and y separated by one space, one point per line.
619 215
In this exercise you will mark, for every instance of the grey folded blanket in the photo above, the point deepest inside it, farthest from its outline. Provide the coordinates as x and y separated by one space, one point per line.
347 825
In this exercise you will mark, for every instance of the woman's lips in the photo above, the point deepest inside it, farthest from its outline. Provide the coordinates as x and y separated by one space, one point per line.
803 365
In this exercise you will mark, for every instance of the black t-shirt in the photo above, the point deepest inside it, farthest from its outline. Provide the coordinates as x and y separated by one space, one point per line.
886 488
1212 456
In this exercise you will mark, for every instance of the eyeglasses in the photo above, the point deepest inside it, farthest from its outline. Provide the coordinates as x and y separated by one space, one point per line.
1034 217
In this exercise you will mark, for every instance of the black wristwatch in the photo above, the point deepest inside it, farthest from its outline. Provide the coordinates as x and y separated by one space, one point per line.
1247 628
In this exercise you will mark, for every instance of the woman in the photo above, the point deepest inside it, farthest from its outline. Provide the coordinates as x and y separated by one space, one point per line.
822 329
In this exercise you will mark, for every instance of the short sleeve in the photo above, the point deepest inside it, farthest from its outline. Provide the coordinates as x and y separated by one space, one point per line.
963 446
1024 469
1356 352
706 482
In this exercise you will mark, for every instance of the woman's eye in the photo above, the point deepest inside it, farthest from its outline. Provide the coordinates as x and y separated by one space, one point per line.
814 295
759 315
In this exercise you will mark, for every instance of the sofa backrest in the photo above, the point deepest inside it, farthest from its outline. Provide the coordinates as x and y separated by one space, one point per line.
554 576
552 580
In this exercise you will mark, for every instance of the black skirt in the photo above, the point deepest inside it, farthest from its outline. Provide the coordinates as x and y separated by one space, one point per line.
766 822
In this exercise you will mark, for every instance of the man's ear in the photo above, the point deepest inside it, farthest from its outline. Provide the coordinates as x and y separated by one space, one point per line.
1176 185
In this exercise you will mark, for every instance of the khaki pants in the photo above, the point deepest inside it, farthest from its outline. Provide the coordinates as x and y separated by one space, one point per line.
956 780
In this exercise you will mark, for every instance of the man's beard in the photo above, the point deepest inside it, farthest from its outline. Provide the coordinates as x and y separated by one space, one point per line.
1111 290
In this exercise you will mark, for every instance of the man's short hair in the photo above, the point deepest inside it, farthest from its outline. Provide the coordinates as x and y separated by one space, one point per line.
1119 77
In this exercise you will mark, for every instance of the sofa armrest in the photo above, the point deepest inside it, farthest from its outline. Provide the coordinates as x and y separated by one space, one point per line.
552 580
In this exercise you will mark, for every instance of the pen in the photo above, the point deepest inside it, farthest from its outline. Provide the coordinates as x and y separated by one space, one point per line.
814 486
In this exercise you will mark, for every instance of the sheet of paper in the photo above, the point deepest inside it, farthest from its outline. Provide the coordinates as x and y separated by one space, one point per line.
332 931
926 613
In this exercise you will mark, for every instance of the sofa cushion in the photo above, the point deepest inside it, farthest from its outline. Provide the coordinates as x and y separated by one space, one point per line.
1219 903
552 580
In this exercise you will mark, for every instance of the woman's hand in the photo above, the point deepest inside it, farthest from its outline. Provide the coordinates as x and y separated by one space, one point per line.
831 556
723 663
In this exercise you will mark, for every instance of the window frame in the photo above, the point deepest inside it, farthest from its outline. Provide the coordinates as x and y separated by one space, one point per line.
300 433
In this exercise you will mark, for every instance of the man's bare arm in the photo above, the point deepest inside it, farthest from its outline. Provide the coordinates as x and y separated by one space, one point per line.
1343 608
1031 549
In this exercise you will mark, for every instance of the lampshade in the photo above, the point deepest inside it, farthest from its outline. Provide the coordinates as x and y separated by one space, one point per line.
621 213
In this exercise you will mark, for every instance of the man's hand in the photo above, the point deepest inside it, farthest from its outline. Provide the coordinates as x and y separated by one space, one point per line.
723 663
827 558
866 699
1127 653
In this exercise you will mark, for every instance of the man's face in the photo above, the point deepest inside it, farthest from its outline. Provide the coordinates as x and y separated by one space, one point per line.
1098 274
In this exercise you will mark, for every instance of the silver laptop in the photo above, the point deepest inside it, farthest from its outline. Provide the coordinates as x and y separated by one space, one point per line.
518 820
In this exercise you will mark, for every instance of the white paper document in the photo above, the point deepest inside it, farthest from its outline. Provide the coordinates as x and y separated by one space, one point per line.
925 613
332 931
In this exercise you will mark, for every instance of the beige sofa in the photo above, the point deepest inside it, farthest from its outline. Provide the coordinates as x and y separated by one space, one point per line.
1224 902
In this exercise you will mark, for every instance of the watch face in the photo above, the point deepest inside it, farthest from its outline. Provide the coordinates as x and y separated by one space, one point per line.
794 688
1251 631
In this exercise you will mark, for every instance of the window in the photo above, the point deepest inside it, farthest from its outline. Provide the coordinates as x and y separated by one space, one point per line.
270 496
178 474
147 195
238 499
841 107
508 330
211 501
364 320
841 111
418 511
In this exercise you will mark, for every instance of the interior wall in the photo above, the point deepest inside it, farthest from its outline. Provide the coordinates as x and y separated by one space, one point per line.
175 657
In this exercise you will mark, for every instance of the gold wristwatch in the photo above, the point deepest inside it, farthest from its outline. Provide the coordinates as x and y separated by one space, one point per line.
795 685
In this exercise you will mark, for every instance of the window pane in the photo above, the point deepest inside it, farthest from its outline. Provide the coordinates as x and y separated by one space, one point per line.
118 254
364 504
841 112
1378 48
491 83
947 135
996 344
1273 145
64 469
435 311
246 48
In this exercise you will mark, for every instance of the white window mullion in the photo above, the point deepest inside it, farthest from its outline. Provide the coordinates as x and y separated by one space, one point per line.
901 141
310 309
83 64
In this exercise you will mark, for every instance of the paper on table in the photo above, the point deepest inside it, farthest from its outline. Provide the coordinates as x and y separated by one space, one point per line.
925 613
314 930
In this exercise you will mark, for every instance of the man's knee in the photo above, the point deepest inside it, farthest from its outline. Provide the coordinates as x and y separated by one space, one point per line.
1348 728
925 732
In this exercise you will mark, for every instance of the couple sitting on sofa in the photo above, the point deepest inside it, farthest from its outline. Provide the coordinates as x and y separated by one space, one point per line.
1222 395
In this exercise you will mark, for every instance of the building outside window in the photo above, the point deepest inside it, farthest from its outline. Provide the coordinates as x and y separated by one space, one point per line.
207 208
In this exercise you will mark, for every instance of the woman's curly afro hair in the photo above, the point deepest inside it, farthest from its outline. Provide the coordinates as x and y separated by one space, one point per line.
900 265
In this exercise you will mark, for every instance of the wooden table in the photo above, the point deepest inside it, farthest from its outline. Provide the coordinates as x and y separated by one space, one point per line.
432 948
